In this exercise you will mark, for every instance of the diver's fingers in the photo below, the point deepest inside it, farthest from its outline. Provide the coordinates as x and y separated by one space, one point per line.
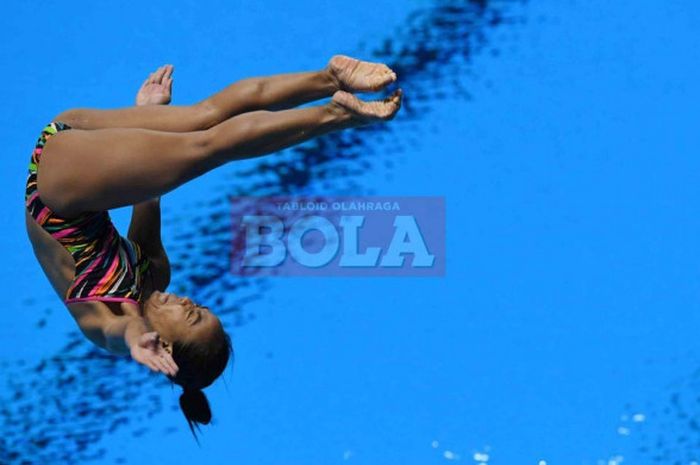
168 83
159 74
173 368
161 366
151 365
164 366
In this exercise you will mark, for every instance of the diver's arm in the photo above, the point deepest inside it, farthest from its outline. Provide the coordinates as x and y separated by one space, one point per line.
129 335
123 332
145 226
122 335
145 229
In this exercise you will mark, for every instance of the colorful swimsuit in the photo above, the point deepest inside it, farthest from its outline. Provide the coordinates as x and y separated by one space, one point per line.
108 267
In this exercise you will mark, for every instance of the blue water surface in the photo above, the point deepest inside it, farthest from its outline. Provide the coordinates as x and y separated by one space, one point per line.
563 136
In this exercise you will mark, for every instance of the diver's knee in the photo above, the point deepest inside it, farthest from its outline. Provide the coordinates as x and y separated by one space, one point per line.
207 114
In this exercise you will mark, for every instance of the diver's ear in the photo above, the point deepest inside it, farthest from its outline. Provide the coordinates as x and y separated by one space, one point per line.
166 346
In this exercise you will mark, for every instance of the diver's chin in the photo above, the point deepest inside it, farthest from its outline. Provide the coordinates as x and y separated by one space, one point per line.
149 303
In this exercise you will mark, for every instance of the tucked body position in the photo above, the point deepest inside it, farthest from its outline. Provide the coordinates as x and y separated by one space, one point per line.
88 161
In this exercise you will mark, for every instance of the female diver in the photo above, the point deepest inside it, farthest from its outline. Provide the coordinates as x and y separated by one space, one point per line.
89 161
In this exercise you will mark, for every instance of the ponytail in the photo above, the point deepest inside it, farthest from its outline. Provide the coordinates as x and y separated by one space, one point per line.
199 365
195 407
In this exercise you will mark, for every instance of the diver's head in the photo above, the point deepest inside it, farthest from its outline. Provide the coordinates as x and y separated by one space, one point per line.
200 347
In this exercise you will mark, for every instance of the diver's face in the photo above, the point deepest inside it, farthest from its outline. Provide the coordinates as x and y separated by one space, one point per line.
178 318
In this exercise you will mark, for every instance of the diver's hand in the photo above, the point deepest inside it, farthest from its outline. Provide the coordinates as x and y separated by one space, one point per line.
157 88
149 352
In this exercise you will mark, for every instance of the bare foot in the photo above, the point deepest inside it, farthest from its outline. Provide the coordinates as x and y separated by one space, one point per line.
360 76
368 112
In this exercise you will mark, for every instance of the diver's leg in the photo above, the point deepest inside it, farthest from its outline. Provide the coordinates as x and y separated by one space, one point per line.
277 92
109 168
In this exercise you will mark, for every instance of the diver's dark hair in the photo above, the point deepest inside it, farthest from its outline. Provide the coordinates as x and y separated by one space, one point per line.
199 364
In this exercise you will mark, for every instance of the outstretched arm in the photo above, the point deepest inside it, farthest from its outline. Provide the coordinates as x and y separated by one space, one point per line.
145 217
145 230
130 335
123 335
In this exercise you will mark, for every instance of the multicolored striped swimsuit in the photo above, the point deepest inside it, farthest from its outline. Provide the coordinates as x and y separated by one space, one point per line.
108 267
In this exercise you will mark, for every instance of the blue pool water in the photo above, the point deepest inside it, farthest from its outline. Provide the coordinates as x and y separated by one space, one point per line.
563 136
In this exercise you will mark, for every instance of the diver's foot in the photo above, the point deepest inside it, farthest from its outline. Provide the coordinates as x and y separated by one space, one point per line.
362 112
359 76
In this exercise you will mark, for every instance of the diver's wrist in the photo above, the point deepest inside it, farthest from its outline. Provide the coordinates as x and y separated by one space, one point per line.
135 328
